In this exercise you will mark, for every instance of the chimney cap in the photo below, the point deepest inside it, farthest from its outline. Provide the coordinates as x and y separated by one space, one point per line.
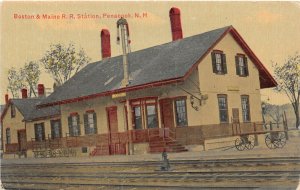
174 11
105 32
40 85
41 89
24 93
121 21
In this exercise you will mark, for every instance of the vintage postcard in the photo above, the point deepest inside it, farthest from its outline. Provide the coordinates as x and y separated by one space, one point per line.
150 95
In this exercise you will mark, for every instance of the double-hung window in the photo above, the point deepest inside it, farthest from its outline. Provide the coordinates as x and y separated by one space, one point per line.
151 116
8 139
90 122
39 130
219 62
223 108
74 125
56 129
241 65
137 117
245 108
181 114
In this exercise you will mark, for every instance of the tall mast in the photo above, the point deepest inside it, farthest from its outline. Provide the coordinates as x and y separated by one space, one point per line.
122 26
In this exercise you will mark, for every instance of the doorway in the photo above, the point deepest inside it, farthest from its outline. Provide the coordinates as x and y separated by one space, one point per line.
115 147
22 140
167 116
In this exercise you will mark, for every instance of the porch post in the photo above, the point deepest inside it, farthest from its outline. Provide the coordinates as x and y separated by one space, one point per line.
130 128
255 135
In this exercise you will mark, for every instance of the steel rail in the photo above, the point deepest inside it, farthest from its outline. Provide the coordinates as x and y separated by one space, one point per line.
179 162
118 186
160 173
218 175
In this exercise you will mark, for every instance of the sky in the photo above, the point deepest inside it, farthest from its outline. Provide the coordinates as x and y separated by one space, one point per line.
271 29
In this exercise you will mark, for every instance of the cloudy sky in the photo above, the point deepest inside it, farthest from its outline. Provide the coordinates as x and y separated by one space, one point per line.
271 29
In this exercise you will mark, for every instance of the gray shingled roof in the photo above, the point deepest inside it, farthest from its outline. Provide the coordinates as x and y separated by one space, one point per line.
162 62
28 108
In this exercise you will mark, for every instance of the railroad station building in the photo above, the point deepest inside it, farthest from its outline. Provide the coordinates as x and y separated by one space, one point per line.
181 93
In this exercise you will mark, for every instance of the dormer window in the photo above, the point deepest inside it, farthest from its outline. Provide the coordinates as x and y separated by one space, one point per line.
219 62
241 65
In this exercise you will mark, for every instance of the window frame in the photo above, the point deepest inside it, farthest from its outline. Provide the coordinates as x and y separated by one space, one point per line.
43 135
8 135
156 114
71 126
176 111
248 108
142 103
87 129
12 111
238 66
222 64
220 110
134 117
52 124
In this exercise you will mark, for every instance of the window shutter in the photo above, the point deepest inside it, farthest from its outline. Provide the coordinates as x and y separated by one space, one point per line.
246 66
237 65
43 131
85 121
213 58
60 129
70 126
35 132
224 66
52 129
95 122
78 125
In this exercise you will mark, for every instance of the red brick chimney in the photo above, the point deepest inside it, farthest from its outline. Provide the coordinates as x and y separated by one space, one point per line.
24 93
176 29
105 43
41 90
6 98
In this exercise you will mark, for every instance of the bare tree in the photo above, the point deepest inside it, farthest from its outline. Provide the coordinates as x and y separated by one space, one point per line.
62 62
273 111
287 76
31 74
27 77
15 82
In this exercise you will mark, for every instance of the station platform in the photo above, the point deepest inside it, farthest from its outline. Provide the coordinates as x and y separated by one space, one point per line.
291 149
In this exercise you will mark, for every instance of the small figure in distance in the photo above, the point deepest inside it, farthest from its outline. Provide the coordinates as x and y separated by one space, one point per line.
165 165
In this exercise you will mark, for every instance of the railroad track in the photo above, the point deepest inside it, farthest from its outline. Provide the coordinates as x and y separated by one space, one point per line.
242 161
157 174
47 186
188 174
178 180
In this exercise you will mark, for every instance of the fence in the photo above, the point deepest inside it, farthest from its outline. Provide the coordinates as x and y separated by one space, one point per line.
12 148
114 142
